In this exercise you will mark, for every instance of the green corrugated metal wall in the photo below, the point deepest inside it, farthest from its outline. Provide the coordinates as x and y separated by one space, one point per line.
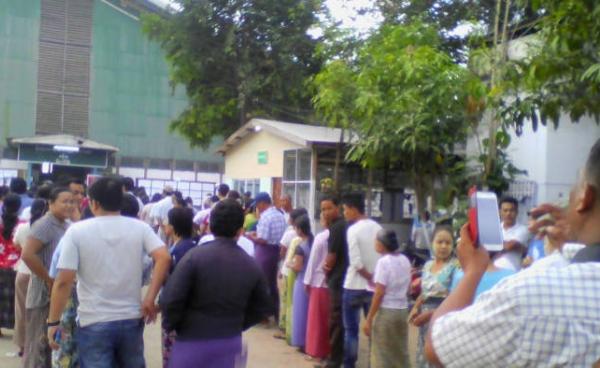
131 101
19 33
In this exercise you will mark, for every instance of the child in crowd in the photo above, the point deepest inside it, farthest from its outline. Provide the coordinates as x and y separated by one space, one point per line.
387 319
435 285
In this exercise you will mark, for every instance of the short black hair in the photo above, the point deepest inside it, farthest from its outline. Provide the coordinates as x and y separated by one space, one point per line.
179 198
389 239
214 199
56 191
592 166
226 218
71 180
234 194
297 212
156 197
509 199
355 200
18 185
128 184
130 206
223 189
330 198
182 220
43 191
108 192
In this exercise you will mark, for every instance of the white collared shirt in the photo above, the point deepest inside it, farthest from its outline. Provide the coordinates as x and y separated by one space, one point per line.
512 260
536 318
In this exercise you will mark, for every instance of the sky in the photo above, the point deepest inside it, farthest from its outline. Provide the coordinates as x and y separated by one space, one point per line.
345 11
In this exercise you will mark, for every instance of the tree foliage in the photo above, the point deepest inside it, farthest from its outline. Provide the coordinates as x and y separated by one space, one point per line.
405 99
448 15
238 59
562 71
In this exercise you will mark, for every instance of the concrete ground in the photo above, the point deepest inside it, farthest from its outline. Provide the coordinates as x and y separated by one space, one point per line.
264 351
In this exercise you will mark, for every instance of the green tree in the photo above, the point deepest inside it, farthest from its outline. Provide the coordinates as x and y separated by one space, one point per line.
562 71
405 99
448 15
238 59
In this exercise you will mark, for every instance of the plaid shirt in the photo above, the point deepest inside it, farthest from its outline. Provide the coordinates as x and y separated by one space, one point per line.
536 318
271 226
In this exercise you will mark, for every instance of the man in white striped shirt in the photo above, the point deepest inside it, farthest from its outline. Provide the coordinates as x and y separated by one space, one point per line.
537 318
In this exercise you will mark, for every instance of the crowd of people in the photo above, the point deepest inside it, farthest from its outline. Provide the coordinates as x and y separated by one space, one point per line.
74 262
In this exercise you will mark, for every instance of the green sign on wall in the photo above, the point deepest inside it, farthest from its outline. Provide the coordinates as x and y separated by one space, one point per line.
263 158
45 153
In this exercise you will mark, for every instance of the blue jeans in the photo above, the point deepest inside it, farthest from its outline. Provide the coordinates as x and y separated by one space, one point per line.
112 344
352 303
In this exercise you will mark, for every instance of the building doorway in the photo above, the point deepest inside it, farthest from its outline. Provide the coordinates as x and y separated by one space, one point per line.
58 173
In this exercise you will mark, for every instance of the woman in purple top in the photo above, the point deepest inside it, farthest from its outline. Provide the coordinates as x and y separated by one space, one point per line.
317 330
300 298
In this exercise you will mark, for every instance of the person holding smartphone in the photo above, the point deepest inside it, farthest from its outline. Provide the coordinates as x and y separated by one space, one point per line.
536 318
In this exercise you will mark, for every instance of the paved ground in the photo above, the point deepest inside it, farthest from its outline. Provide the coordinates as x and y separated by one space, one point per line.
264 351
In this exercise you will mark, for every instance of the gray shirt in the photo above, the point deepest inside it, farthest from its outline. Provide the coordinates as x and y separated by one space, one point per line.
48 230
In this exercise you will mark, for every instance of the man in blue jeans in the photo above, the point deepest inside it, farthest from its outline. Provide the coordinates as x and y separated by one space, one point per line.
362 258
105 254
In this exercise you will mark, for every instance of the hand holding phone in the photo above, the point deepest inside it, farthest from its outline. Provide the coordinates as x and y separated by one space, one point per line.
484 221
472 258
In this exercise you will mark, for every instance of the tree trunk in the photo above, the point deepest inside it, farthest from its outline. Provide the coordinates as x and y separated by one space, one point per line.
370 192
420 193
338 158
498 58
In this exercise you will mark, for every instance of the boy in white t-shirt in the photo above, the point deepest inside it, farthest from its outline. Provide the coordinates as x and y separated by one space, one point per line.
387 319
105 254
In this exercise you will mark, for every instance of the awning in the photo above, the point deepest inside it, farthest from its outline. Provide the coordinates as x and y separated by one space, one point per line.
63 149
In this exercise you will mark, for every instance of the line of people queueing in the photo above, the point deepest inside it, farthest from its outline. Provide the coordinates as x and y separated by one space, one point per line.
325 280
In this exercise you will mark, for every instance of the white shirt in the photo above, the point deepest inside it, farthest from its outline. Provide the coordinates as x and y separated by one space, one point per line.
393 272
107 253
25 214
246 244
20 237
361 252
201 216
512 260
536 318
160 210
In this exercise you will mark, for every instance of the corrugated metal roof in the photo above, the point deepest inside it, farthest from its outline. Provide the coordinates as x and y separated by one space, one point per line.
64 140
302 134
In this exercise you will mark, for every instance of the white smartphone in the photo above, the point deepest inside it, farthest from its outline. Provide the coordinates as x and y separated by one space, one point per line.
488 221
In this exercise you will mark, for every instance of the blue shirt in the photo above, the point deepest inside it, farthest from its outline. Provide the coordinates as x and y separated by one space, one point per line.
271 226
536 249
26 201
179 249
487 282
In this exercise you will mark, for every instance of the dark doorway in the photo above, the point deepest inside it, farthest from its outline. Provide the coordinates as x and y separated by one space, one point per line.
58 173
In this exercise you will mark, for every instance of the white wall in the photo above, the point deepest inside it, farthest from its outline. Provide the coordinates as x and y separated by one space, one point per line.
553 157
138 173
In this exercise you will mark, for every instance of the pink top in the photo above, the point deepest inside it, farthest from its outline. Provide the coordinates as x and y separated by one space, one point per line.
315 275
